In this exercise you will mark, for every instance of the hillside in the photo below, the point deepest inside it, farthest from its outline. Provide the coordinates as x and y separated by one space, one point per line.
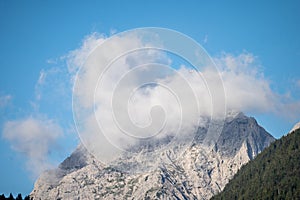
273 174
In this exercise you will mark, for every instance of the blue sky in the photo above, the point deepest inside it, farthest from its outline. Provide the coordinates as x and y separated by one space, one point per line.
36 35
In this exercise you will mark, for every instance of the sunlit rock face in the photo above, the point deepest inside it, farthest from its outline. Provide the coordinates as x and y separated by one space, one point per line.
199 173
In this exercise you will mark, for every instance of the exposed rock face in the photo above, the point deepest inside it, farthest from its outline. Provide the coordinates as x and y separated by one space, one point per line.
199 174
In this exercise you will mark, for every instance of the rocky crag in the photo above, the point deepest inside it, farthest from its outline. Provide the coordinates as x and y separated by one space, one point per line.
200 172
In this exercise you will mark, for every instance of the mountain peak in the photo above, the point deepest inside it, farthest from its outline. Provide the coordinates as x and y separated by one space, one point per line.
198 173
233 114
240 130
273 174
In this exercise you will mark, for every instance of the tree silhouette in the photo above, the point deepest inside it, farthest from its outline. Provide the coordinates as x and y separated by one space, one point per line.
2 197
27 198
19 197
273 174
11 197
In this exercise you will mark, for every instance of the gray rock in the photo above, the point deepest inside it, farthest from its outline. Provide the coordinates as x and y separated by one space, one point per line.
200 172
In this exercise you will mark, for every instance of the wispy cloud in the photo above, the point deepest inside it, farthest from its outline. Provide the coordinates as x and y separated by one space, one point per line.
245 86
38 134
52 82
35 138
247 89
5 100
76 58
205 40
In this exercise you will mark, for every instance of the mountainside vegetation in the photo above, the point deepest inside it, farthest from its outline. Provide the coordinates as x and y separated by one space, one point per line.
273 174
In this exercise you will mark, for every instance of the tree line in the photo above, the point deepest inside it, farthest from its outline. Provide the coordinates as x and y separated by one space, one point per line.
273 174
11 197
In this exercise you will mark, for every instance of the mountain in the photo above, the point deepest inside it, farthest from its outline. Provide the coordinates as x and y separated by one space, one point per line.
273 174
199 173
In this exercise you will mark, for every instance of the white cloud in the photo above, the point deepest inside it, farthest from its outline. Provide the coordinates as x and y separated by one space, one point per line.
246 90
205 40
5 100
148 105
245 86
76 58
42 77
113 31
52 82
35 138
53 90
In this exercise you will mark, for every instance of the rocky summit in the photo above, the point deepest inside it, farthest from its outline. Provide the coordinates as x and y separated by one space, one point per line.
199 173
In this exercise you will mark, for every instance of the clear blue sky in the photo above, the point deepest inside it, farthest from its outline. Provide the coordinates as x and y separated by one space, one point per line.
34 32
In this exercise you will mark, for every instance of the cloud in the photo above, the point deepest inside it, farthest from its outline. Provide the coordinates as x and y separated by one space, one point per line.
131 100
52 82
39 139
245 86
53 93
246 89
205 40
76 58
35 138
5 100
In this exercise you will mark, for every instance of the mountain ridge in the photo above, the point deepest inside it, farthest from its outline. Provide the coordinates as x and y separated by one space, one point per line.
199 174
273 174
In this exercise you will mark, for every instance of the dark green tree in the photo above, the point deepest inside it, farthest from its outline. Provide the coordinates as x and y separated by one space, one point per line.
19 197
273 174
11 197
2 197
27 198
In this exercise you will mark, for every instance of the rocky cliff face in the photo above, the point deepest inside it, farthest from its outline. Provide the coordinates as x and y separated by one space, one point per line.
200 172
